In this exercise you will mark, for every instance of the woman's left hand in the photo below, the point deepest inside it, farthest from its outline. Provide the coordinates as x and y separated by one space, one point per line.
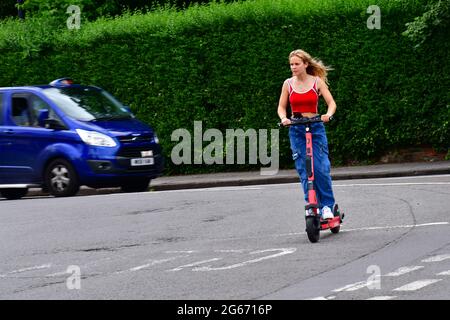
325 118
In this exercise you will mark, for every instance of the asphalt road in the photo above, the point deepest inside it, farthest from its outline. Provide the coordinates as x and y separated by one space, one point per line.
230 243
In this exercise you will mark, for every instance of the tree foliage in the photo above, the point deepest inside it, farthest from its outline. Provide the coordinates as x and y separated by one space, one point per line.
436 17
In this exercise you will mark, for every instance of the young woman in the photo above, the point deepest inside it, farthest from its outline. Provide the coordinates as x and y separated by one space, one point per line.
302 91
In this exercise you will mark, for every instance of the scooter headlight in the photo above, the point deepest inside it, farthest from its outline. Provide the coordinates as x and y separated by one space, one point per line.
94 138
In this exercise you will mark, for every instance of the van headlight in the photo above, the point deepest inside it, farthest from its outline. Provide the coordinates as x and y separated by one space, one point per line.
94 138
155 138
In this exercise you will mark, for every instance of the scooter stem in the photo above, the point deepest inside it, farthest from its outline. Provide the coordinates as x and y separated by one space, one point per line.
309 163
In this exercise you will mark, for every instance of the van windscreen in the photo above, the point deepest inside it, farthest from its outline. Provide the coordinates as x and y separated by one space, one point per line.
87 103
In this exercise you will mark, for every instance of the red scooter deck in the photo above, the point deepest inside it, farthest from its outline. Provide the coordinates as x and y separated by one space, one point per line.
330 223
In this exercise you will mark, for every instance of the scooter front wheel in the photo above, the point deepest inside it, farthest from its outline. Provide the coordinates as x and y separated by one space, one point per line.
313 228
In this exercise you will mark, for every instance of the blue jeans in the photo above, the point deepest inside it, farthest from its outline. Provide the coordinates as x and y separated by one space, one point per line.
322 166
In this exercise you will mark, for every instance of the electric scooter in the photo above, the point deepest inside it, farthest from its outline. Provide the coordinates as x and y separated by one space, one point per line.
314 222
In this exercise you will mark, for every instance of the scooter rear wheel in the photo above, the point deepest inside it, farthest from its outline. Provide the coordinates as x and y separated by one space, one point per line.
313 229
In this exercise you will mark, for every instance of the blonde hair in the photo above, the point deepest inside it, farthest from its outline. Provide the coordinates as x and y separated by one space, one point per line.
315 66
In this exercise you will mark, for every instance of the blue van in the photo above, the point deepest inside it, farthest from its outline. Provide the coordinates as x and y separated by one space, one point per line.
64 135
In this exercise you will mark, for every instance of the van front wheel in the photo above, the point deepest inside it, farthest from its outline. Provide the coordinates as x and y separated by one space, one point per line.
61 179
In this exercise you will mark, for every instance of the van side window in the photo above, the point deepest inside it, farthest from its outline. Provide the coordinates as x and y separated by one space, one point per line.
25 110
21 112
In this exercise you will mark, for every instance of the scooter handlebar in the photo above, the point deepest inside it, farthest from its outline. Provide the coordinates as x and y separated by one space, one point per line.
303 121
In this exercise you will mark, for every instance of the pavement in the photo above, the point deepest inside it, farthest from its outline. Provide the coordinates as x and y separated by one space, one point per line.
283 176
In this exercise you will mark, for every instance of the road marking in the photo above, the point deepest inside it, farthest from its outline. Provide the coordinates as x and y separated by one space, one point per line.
382 298
152 263
57 274
350 286
290 234
395 184
323 298
362 284
359 285
416 285
402 271
413 177
444 273
44 266
230 251
283 252
194 264
398 227
437 258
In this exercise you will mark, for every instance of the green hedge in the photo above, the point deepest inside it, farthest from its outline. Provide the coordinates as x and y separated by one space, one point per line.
224 64
8 8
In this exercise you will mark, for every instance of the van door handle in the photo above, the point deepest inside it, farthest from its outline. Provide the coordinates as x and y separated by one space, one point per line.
8 131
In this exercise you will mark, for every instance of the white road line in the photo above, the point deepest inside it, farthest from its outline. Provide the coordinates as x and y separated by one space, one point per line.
350 286
395 184
290 234
397 227
44 266
363 284
181 251
382 298
231 251
416 285
437 258
402 271
194 264
283 252
152 263
57 274
444 273
413 177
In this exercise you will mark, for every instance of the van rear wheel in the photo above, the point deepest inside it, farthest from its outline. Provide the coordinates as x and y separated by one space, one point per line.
13 194
61 179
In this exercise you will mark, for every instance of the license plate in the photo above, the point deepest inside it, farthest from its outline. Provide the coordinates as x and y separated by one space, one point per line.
142 162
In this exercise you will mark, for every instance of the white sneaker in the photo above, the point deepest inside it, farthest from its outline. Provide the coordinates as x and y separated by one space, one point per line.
326 213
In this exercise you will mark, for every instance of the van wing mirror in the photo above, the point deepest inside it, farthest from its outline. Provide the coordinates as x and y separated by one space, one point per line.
54 124
42 116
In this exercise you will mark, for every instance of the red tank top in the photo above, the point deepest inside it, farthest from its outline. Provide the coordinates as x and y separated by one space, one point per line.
306 101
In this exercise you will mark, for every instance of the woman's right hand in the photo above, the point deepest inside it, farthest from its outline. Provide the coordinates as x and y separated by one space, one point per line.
285 122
